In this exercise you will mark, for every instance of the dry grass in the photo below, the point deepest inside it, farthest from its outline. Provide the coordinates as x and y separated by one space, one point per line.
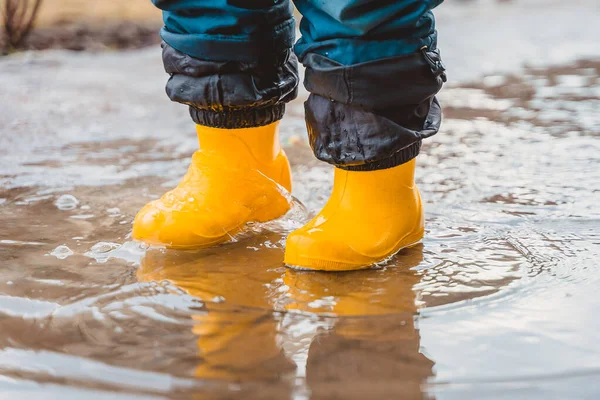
18 17
86 25
94 25
60 12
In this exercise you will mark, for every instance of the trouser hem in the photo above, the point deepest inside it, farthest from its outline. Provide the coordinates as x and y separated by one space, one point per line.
234 119
401 157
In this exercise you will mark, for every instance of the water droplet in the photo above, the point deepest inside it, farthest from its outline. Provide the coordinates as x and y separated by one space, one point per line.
101 251
104 247
218 299
66 202
62 252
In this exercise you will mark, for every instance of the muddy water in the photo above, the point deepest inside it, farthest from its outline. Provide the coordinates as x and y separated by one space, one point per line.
500 300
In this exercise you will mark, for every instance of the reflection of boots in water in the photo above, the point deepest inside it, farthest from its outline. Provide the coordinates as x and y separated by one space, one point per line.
235 342
372 351
234 178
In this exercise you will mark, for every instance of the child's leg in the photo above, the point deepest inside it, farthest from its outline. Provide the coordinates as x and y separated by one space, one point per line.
230 60
231 63
373 70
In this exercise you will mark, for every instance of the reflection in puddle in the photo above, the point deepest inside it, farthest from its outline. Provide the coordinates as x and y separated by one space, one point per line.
335 331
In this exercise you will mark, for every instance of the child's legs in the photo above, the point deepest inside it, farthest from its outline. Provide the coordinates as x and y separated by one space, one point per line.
230 60
373 70
372 81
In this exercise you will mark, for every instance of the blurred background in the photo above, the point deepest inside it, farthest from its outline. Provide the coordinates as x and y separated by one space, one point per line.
498 302
80 24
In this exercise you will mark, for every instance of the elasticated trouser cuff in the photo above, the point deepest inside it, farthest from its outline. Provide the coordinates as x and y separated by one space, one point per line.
399 158
232 94
372 115
246 118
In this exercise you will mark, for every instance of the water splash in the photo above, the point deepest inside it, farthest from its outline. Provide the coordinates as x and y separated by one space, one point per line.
131 252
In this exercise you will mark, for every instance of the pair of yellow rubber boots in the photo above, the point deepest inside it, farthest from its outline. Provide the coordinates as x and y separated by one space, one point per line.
242 175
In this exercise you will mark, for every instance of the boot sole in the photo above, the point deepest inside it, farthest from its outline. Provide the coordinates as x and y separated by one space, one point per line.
312 264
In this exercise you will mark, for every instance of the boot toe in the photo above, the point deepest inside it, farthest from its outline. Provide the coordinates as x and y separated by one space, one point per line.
148 223
316 250
207 213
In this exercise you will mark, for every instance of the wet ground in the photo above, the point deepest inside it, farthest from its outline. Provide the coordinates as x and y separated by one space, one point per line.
500 301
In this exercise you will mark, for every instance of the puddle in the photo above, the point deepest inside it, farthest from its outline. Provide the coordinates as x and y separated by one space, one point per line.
499 296
499 300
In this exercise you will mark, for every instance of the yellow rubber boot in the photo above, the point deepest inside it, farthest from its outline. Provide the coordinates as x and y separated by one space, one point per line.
237 176
370 216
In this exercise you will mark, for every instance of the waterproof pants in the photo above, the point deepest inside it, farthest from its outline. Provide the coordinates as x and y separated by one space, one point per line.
372 68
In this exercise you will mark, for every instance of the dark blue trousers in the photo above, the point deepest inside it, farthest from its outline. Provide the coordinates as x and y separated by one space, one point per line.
372 67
